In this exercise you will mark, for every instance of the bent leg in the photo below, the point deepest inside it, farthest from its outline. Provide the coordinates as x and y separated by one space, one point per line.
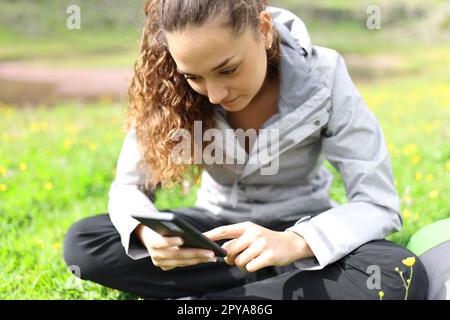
93 245
352 277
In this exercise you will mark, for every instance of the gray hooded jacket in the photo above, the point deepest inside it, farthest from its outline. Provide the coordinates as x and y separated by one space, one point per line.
321 116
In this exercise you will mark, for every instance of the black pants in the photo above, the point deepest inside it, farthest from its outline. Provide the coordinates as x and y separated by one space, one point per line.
93 246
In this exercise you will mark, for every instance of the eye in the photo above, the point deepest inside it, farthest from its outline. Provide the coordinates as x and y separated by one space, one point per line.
225 72
229 71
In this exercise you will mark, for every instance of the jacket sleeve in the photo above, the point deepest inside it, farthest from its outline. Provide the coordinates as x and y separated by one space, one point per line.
126 197
354 144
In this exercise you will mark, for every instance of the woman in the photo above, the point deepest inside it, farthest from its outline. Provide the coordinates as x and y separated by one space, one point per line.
241 65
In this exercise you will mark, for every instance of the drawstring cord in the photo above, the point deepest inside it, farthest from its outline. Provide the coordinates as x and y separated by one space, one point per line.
234 194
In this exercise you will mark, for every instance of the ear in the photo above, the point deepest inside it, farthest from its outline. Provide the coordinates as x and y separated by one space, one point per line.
266 28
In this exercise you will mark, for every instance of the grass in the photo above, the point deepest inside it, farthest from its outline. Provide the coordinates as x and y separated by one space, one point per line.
72 48
28 33
37 32
56 167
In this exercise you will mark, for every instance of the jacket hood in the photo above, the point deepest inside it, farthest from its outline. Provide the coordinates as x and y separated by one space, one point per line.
295 26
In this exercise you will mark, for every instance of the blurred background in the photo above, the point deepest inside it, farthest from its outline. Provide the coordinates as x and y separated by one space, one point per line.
63 96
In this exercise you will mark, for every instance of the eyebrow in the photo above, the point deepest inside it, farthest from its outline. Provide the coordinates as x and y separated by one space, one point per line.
223 63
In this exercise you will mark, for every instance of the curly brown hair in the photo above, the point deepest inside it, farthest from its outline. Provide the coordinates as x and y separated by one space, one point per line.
161 100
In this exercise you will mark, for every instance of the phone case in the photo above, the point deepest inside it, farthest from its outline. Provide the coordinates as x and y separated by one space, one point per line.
170 225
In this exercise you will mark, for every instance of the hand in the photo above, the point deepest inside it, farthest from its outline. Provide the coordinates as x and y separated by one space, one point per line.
254 247
166 253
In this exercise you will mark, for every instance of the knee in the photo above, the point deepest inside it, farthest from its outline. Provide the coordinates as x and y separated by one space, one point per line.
407 277
77 256
418 286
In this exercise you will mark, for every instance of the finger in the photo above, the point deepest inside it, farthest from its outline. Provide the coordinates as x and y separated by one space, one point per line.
254 250
167 268
159 242
176 253
237 247
227 232
183 263
225 246
261 261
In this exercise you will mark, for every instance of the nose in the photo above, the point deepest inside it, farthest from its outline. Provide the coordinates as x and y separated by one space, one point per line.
217 93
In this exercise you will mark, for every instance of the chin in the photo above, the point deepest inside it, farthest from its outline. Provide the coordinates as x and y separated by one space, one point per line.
239 106
233 109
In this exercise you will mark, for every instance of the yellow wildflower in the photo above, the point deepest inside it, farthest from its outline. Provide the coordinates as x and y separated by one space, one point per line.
429 177
2 171
92 146
71 128
391 147
418 176
48 186
409 262
23 166
34 127
434 194
428 128
416 159
56 245
410 149
38 126
447 166
406 214
3 187
67 144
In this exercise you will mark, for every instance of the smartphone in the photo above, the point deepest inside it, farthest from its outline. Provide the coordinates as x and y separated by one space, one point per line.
170 225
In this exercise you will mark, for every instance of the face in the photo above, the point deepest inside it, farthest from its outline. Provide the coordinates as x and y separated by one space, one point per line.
229 70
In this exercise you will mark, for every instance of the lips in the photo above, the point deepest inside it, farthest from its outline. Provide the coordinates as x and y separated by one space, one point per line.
230 101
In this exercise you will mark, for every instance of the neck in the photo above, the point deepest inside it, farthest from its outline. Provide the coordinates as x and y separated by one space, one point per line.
261 108
269 88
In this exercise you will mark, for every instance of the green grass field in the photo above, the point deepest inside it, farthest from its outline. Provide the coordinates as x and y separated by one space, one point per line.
56 165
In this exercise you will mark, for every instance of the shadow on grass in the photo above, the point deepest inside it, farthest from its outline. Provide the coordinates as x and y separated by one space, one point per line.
127 296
